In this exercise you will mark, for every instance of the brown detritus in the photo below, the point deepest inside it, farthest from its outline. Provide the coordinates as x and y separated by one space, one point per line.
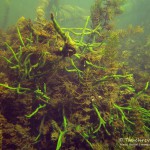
13 133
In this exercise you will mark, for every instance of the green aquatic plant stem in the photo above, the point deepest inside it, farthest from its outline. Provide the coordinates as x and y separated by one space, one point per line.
75 68
20 37
7 60
83 135
144 90
58 28
62 133
17 58
84 29
127 86
14 54
93 65
145 114
41 94
30 39
65 36
73 64
146 86
87 31
118 76
21 62
75 44
115 76
40 129
36 110
121 110
59 142
65 124
101 120
19 89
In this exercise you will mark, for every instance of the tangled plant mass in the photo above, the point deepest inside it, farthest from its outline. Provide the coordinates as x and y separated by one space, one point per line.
59 92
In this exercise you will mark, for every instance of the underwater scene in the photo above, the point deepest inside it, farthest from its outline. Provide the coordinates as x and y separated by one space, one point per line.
74 75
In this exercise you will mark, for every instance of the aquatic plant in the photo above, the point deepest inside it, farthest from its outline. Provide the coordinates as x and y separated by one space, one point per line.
19 89
20 63
123 117
72 92
36 110
101 120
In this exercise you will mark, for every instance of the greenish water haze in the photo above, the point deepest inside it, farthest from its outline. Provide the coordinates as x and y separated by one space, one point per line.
136 12
12 10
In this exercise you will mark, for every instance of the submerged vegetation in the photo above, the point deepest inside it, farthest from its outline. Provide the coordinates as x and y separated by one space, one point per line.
69 88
